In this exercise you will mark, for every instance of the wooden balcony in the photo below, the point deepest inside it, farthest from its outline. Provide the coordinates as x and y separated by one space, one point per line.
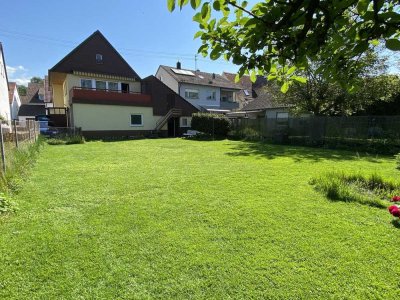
109 97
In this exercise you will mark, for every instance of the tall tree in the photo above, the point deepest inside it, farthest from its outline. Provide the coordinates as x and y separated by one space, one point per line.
321 96
280 37
21 90
36 80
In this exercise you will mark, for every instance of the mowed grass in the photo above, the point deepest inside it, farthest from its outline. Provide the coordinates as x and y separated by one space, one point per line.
179 219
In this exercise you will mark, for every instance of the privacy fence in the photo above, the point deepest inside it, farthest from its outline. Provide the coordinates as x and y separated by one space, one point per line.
375 134
14 136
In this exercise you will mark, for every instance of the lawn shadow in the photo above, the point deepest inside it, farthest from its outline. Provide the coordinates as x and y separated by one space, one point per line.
297 153
396 224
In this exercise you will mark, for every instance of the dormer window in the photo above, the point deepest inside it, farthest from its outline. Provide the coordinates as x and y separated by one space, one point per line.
99 58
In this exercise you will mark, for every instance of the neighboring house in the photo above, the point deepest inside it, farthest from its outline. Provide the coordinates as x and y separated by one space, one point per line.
95 89
32 104
207 91
14 99
246 94
257 101
4 102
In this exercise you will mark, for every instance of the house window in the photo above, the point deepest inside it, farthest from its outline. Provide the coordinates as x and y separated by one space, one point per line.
246 92
191 94
99 58
137 120
282 118
101 85
212 95
113 86
186 122
86 83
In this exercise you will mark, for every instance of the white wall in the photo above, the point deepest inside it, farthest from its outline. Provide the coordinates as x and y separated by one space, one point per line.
4 102
15 105
167 79
204 92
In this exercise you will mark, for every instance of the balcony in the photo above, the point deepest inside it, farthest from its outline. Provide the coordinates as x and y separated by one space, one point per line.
109 97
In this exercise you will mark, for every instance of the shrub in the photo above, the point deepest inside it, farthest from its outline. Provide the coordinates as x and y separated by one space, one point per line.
66 140
6 206
397 157
371 190
213 124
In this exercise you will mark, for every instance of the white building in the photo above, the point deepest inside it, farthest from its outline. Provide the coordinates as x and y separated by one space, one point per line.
15 101
206 91
4 102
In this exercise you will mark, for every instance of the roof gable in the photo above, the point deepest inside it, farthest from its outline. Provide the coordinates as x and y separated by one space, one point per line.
83 58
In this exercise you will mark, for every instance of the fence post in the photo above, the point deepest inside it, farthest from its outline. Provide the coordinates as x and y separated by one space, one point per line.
3 154
34 130
29 130
15 133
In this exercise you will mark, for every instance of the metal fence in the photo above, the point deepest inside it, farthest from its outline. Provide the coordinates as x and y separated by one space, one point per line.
321 130
15 135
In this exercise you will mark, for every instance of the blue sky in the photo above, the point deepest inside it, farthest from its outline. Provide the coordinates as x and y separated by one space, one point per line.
37 34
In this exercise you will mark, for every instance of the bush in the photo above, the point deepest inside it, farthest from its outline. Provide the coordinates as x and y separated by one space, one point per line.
66 140
397 156
212 124
6 206
373 190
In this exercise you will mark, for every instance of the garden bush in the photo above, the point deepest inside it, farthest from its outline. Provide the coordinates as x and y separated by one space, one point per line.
397 157
6 206
66 140
372 190
212 124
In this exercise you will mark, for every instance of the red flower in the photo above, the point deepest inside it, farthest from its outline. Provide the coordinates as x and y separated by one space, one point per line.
393 208
396 213
396 198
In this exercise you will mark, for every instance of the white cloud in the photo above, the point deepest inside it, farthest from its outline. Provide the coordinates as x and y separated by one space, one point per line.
12 70
18 74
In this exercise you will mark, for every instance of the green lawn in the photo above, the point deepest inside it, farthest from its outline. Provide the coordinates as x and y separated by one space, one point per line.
178 219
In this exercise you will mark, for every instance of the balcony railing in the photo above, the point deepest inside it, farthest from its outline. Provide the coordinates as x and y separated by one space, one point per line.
103 96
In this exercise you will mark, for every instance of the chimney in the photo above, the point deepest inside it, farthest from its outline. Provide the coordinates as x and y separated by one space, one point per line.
178 65
213 76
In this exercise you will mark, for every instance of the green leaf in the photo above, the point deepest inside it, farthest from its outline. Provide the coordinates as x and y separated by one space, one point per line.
195 3
237 78
253 76
291 70
216 52
205 10
217 5
362 6
198 34
393 44
285 87
299 79
171 5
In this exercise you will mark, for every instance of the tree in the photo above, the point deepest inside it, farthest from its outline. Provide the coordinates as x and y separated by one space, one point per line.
36 80
320 96
280 38
21 90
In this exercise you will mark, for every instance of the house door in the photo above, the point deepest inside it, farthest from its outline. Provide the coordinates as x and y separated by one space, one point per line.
173 127
125 87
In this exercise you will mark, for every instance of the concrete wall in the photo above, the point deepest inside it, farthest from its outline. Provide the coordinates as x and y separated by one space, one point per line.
4 102
93 117
167 79
204 92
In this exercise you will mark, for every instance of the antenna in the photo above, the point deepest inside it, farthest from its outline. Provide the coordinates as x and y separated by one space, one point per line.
195 62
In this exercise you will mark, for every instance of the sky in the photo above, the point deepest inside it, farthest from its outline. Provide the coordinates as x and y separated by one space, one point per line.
38 34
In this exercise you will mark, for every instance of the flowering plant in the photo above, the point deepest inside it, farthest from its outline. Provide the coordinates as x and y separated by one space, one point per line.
394 210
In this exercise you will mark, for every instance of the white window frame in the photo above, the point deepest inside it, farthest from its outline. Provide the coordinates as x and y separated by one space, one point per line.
188 122
85 79
95 84
189 91
99 58
136 125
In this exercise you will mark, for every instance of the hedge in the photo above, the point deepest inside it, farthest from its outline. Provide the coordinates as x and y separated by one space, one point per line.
213 124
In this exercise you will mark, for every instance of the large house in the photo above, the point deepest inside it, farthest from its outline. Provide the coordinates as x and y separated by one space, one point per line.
207 91
5 113
95 89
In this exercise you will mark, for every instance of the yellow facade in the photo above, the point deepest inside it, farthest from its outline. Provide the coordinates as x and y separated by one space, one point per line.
94 117
62 92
